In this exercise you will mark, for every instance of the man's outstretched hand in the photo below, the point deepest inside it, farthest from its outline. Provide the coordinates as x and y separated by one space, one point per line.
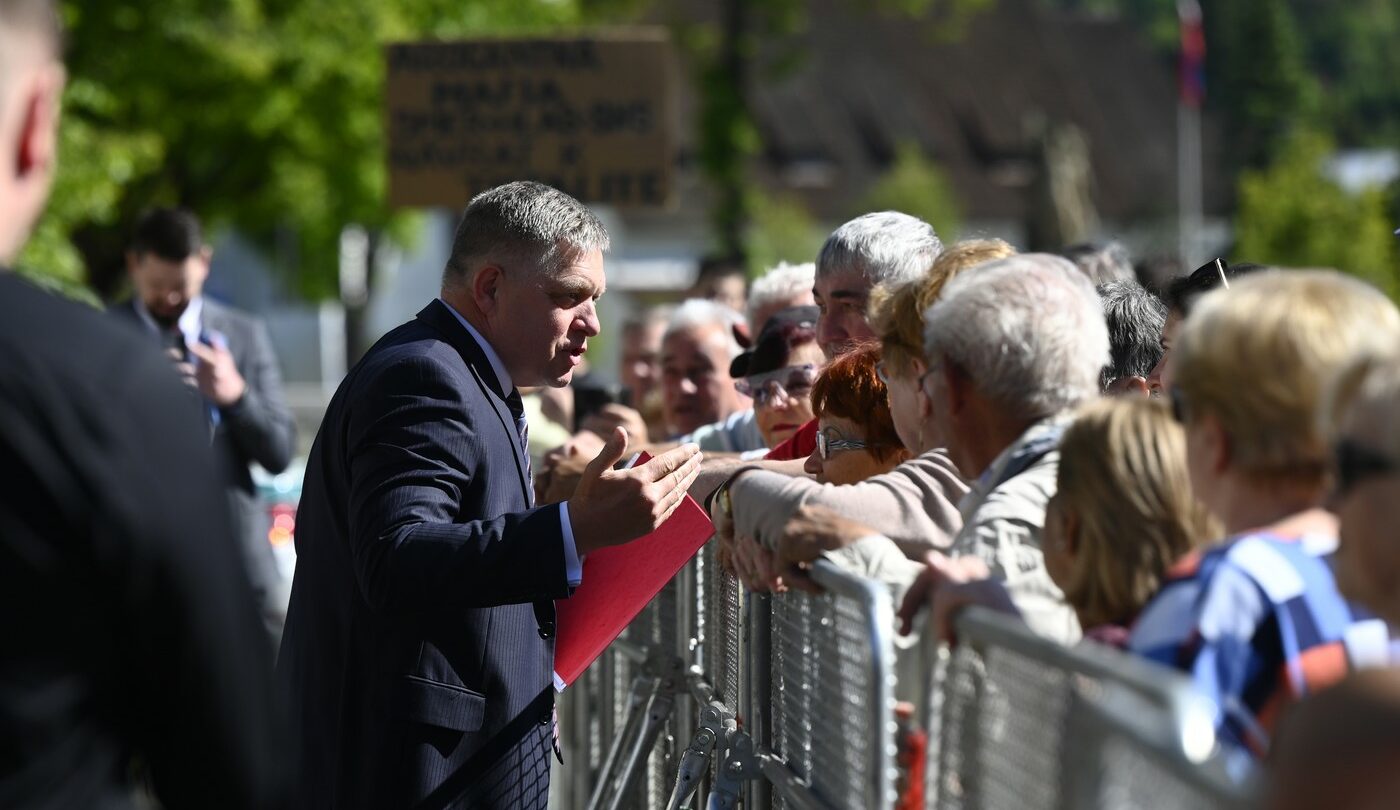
611 507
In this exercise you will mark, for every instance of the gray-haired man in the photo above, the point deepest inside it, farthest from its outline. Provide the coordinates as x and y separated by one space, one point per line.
419 643
1011 347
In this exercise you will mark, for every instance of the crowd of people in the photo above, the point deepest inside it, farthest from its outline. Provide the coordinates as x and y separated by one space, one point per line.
1204 476
1200 477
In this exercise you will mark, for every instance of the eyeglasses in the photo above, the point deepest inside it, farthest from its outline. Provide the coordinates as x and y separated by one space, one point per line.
792 382
828 445
1353 463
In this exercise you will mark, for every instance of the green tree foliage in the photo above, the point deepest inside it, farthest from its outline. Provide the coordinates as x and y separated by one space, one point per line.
1257 77
781 230
262 115
1293 214
916 186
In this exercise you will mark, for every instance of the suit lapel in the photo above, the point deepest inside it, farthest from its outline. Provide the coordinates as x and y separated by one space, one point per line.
445 324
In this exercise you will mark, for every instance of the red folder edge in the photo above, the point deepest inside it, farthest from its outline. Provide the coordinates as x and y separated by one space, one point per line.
618 582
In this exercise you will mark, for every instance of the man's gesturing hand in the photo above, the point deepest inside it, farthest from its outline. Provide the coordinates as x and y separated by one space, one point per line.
611 507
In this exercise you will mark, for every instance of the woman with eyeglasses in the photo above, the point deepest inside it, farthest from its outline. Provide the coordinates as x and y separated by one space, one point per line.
778 373
856 438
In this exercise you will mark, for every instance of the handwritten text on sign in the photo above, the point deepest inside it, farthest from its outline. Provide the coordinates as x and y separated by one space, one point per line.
590 116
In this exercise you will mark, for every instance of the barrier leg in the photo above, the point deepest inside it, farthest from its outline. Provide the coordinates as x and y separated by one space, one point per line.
739 767
639 698
696 759
658 709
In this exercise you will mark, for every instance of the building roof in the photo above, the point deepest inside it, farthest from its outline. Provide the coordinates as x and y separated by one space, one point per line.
868 81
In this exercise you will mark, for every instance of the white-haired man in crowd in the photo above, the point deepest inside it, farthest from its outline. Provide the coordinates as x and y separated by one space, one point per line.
698 396
1012 347
884 247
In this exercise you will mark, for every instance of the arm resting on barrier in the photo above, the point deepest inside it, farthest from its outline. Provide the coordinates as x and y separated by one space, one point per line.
915 505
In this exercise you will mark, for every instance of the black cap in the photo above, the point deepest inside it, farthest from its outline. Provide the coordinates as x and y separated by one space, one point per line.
788 327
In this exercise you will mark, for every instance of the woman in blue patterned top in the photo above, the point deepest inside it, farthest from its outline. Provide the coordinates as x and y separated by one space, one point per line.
1257 620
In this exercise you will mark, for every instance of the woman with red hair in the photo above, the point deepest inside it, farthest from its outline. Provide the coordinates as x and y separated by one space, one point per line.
856 438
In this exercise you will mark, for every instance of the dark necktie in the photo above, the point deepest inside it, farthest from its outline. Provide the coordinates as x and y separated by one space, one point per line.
522 430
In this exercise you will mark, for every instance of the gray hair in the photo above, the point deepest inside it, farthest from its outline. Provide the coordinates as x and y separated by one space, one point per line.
1027 329
523 223
1134 317
779 284
698 313
885 247
1102 263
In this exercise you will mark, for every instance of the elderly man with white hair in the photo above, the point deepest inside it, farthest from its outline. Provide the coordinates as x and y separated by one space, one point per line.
1012 346
698 397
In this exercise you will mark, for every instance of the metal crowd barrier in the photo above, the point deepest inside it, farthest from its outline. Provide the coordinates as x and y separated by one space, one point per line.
717 698
1018 721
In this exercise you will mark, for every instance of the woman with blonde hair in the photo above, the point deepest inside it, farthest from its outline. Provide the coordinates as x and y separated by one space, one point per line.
1122 513
1257 620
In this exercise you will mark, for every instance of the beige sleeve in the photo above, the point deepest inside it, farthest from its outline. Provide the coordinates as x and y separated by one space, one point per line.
915 505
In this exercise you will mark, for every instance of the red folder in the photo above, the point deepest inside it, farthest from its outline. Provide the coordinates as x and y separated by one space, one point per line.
618 582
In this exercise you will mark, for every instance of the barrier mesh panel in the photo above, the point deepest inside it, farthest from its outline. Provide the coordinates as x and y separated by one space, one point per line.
824 681
723 626
1134 776
1004 722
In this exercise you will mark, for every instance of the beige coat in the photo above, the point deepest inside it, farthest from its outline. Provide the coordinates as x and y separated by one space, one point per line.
915 504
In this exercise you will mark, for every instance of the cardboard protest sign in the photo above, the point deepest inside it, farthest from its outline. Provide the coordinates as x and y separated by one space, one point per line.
590 115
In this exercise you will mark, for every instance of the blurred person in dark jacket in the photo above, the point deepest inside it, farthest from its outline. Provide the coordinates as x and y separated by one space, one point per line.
226 357
132 649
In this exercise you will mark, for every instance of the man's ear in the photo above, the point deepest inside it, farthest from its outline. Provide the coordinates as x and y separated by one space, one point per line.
132 260
38 126
959 386
1134 387
486 285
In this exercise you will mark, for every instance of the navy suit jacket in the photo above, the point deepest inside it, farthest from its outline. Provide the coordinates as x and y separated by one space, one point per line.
418 671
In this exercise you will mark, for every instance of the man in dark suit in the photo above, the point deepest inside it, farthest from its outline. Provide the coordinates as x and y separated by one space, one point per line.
419 643
128 648
225 356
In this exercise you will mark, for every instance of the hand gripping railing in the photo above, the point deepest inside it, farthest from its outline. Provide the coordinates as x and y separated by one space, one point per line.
1019 721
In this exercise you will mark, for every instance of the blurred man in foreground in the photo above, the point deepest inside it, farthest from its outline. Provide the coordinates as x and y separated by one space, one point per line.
131 636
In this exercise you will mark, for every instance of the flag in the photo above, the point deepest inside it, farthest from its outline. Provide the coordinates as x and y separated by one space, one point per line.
1192 66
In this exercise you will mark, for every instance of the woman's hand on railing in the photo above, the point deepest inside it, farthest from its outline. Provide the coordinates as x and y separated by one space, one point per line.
810 533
